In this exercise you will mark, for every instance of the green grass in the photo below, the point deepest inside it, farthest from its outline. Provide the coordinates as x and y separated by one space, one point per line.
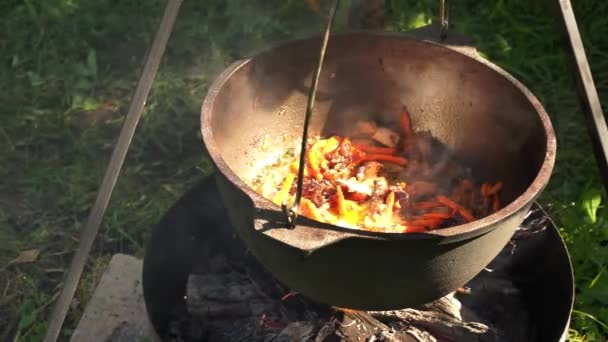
68 69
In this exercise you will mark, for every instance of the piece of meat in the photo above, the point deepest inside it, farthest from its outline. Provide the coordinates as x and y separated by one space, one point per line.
386 137
380 188
318 192
372 169
365 129
379 192
353 186
423 146
341 157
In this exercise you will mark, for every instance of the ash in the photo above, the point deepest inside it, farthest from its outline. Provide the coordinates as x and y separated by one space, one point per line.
231 297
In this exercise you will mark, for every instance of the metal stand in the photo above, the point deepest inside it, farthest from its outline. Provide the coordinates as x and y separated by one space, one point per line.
589 100
91 228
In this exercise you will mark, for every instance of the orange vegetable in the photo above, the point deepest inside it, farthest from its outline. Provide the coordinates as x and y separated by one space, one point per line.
412 228
341 202
314 160
293 167
406 123
494 189
390 203
384 158
308 209
375 149
496 203
485 188
441 216
466 214
428 222
282 194
349 176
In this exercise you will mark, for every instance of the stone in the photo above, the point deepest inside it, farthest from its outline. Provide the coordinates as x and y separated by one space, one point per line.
116 311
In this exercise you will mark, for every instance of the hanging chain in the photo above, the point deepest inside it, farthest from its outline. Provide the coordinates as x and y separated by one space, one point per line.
292 213
444 18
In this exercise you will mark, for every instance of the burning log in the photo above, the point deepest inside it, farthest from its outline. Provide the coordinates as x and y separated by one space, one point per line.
233 307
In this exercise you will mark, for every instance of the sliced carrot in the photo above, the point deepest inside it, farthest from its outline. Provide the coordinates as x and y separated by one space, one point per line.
435 215
496 203
466 214
390 203
384 158
341 202
412 228
375 149
324 146
315 164
308 209
280 196
293 167
495 189
431 223
485 187
406 123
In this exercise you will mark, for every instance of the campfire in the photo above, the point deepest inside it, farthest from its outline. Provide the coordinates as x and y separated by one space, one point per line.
380 180
230 296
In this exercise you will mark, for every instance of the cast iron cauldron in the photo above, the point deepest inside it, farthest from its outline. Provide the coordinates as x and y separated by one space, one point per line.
483 114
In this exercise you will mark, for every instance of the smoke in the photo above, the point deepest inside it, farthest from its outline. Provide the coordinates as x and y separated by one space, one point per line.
218 32
273 90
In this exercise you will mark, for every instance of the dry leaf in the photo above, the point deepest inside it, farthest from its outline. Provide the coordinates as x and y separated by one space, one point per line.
26 257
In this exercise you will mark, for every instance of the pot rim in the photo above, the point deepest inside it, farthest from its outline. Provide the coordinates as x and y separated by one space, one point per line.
466 230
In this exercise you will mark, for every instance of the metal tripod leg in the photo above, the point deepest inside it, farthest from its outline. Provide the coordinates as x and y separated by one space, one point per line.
588 97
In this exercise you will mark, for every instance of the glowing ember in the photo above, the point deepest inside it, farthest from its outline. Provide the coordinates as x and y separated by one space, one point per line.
380 180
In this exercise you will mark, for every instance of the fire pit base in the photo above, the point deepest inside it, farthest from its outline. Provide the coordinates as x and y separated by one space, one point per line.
200 284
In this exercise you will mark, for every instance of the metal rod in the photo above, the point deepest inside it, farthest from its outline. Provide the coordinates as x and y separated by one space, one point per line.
444 18
89 232
292 214
588 97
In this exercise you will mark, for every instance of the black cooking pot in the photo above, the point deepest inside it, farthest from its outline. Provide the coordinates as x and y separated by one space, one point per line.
481 113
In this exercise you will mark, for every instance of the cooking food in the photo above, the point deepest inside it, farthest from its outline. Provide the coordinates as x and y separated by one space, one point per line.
380 180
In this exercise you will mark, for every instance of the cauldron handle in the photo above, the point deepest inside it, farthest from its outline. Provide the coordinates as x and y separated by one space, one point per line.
444 18
291 214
